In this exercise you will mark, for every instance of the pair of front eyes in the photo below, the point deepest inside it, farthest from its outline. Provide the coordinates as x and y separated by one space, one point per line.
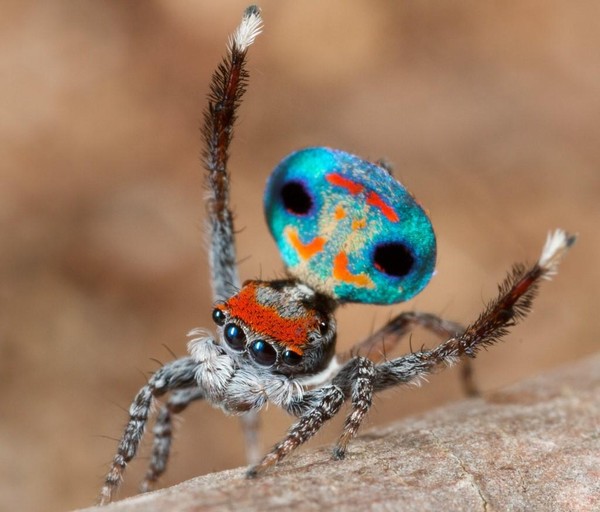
261 351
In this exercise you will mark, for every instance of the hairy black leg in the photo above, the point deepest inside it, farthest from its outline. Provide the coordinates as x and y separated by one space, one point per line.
356 379
317 407
226 90
174 375
513 302
163 433
385 340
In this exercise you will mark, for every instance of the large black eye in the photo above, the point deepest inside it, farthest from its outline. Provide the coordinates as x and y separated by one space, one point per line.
295 198
291 358
235 337
393 259
263 353
323 327
218 316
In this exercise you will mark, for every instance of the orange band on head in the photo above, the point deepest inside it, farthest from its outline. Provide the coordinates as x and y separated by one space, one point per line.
292 332
341 272
374 199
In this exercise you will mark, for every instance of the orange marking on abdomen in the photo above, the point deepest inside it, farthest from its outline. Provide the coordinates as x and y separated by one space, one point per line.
305 251
340 213
340 181
374 199
359 224
341 272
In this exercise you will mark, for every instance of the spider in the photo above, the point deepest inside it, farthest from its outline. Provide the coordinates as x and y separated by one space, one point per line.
347 232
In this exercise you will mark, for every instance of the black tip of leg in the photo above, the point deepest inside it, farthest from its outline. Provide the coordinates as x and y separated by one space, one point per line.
252 472
338 453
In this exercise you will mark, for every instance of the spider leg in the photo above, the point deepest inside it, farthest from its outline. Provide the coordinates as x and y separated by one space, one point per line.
356 379
513 302
467 381
313 410
227 88
250 422
174 375
163 433
387 338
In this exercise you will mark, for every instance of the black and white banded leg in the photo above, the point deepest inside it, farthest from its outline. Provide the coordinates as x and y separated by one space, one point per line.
356 379
163 433
512 304
177 374
385 340
316 408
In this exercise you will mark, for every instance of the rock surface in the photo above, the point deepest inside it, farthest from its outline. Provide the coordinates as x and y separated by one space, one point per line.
533 446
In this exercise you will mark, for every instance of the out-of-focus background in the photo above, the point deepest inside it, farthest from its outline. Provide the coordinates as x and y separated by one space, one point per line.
490 113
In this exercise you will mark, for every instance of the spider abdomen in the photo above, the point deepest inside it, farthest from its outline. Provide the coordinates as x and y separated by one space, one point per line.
348 229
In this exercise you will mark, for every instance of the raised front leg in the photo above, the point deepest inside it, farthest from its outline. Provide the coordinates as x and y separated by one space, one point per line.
226 90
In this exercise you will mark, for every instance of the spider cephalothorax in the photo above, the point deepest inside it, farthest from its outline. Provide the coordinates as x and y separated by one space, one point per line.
282 326
347 232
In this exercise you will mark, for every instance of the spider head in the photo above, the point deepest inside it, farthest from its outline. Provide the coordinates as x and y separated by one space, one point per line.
283 326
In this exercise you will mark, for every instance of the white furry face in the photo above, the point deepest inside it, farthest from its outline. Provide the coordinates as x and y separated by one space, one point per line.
237 388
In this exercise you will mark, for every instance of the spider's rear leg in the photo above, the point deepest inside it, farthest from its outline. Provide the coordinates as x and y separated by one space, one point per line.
174 375
513 302
385 340
163 433
356 379
314 410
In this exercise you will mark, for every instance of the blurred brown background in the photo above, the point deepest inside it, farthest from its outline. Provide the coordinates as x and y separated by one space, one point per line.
490 113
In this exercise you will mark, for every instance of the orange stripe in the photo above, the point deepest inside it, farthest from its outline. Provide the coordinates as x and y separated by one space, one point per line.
341 272
340 181
374 199
359 224
291 332
305 251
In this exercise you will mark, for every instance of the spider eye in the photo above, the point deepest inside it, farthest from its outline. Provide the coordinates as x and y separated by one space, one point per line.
291 358
235 337
322 327
295 198
393 259
263 353
218 317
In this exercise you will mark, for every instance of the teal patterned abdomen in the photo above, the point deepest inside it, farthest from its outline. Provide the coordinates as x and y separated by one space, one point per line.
347 228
